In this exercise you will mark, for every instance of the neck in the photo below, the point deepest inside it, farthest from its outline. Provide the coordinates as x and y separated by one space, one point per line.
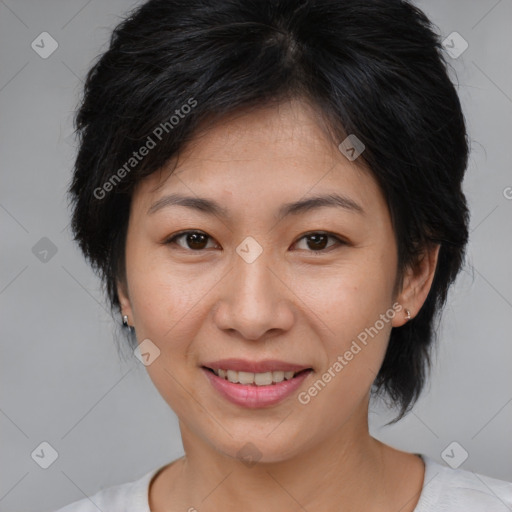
349 470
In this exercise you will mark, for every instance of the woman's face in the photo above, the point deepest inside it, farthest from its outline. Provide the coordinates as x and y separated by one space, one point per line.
264 288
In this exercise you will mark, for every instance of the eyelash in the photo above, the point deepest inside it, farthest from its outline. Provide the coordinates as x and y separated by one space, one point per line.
172 240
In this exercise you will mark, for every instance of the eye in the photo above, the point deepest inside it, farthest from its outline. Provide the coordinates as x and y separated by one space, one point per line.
194 240
317 241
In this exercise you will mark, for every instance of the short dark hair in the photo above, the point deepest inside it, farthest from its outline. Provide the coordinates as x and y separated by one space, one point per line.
372 68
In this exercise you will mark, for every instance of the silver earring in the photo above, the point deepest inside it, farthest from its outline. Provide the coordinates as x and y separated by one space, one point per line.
125 320
407 314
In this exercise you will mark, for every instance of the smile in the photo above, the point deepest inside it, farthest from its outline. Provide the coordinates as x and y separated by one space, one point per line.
255 385
256 379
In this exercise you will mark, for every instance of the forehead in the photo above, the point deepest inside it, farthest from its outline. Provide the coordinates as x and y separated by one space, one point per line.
270 153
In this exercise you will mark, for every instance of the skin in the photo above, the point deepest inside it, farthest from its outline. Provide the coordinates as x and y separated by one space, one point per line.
293 303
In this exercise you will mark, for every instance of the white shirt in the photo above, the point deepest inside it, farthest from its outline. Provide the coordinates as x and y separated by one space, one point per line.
444 490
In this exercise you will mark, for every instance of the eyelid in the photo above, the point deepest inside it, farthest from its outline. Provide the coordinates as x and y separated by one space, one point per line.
172 238
340 240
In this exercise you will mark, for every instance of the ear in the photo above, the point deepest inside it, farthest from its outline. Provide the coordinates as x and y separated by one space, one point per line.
124 301
416 284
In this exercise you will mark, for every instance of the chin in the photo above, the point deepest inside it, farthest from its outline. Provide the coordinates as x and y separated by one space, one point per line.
251 447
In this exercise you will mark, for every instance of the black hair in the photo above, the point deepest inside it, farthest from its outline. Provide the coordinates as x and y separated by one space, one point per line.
371 68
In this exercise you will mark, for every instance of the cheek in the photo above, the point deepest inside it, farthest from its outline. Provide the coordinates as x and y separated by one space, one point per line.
356 313
166 307
350 297
349 303
162 294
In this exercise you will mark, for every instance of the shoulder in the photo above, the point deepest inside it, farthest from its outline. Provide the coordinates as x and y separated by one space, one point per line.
456 490
129 497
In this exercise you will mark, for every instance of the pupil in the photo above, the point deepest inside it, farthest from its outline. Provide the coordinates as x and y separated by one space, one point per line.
318 241
194 241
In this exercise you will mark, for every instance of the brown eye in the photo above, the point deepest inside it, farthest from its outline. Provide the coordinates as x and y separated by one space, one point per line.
194 240
316 242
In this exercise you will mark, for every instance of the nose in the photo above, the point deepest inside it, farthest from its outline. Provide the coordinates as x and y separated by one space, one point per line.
254 301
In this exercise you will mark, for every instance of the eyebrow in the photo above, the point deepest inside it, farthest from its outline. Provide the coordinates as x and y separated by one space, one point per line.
211 207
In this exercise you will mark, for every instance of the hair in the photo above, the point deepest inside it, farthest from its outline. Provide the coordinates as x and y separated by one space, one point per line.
371 68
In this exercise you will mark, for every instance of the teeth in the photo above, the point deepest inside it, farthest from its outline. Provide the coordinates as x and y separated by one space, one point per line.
232 376
263 379
258 379
278 376
246 378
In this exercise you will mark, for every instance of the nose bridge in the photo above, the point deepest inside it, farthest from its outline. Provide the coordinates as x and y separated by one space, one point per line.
253 278
255 301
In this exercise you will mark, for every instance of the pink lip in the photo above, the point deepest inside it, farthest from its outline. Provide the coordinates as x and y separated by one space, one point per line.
252 396
241 365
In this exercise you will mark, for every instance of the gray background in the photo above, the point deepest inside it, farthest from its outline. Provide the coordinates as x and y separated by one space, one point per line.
61 378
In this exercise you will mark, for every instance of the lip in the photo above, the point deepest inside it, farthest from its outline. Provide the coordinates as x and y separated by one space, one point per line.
255 397
242 365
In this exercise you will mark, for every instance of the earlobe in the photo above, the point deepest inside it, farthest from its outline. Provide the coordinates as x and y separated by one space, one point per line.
125 305
416 285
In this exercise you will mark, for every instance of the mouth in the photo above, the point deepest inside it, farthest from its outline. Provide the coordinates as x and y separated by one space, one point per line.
269 378
255 384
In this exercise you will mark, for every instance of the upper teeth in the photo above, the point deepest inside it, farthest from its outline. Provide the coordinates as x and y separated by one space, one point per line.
259 379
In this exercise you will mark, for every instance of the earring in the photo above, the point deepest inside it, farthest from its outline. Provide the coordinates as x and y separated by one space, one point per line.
125 320
407 314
